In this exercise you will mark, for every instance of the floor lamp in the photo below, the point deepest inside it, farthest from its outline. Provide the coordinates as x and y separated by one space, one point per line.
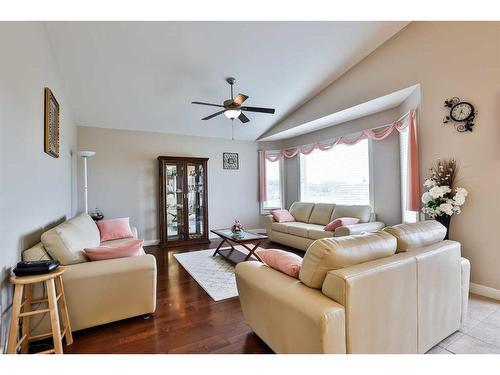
85 155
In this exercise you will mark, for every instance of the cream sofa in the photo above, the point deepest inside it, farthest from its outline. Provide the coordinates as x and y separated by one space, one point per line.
96 292
311 218
400 290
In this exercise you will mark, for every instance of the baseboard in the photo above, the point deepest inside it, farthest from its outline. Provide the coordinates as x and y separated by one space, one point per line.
485 291
211 236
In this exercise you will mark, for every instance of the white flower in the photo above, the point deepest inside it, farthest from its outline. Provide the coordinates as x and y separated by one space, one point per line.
429 183
457 210
436 192
426 197
459 199
447 208
461 191
446 189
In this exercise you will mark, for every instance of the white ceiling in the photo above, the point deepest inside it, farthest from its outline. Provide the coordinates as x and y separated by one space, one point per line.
144 75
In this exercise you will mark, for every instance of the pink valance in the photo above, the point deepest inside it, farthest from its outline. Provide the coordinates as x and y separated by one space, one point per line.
377 134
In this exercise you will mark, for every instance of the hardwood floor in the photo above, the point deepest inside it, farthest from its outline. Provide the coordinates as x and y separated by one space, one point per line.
186 320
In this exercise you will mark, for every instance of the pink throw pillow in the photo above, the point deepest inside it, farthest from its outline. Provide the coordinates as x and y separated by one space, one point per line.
282 216
129 248
114 229
280 260
341 222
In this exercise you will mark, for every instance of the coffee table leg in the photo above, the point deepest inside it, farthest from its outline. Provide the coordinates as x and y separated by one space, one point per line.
218 247
252 252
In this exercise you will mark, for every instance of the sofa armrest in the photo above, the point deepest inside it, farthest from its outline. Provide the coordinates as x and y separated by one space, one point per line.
349 230
268 221
108 290
465 274
289 316
380 301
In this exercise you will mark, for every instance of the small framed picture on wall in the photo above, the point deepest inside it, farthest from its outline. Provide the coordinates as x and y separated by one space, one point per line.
51 124
230 160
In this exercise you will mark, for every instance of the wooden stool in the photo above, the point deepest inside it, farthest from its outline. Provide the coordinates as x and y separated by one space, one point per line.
55 293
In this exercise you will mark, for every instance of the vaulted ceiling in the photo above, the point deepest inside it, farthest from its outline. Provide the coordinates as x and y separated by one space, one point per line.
144 75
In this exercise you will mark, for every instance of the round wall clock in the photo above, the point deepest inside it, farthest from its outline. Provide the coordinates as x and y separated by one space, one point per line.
462 113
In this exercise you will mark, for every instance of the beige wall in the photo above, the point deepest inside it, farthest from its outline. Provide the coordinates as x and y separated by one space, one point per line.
35 189
447 59
123 176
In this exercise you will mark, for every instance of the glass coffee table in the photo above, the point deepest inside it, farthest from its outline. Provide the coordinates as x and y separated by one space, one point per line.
234 255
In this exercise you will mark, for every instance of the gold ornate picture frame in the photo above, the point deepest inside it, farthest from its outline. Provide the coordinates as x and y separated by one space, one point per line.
51 123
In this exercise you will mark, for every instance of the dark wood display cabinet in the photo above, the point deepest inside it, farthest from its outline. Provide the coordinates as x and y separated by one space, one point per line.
183 201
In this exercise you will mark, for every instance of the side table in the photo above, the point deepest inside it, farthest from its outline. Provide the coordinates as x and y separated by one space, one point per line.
21 310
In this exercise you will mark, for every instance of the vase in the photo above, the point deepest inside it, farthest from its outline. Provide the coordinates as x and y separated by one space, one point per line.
445 220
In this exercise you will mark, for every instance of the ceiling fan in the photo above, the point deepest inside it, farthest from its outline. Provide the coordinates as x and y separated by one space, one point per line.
233 107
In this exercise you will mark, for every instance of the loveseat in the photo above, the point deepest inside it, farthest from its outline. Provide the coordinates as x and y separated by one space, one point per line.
311 218
96 292
400 290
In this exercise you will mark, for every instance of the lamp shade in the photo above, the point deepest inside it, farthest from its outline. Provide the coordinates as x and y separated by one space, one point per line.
86 154
232 113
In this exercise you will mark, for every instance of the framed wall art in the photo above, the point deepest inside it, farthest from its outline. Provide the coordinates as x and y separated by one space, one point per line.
51 124
230 160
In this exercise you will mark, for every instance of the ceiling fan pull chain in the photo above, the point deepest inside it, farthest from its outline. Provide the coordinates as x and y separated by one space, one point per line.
232 129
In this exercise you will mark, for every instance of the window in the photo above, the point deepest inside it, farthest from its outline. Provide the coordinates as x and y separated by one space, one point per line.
340 175
273 185
407 216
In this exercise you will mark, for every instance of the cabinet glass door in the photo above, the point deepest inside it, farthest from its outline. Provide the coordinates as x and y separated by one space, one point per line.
196 200
175 201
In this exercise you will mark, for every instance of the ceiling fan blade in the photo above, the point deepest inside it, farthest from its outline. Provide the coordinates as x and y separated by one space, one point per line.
258 109
240 98
213 115
243 118
213 105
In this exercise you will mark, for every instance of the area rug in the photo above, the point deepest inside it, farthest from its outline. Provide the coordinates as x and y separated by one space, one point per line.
213 273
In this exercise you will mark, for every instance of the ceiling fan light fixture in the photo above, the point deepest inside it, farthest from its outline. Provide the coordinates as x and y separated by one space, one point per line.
232 113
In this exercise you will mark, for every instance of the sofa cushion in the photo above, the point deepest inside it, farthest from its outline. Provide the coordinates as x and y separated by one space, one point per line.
280 260
120 240
36 252
129 248
280 227
341 222
296 228
416 235
66 242
318 233
338 252
361 212
115 229
301 229
301 211
282 216
321 213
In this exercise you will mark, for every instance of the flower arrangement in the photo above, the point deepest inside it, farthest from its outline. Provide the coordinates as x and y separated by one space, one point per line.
237 227
442 199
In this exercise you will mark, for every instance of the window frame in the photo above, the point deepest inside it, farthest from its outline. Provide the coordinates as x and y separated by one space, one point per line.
267 210
371 191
